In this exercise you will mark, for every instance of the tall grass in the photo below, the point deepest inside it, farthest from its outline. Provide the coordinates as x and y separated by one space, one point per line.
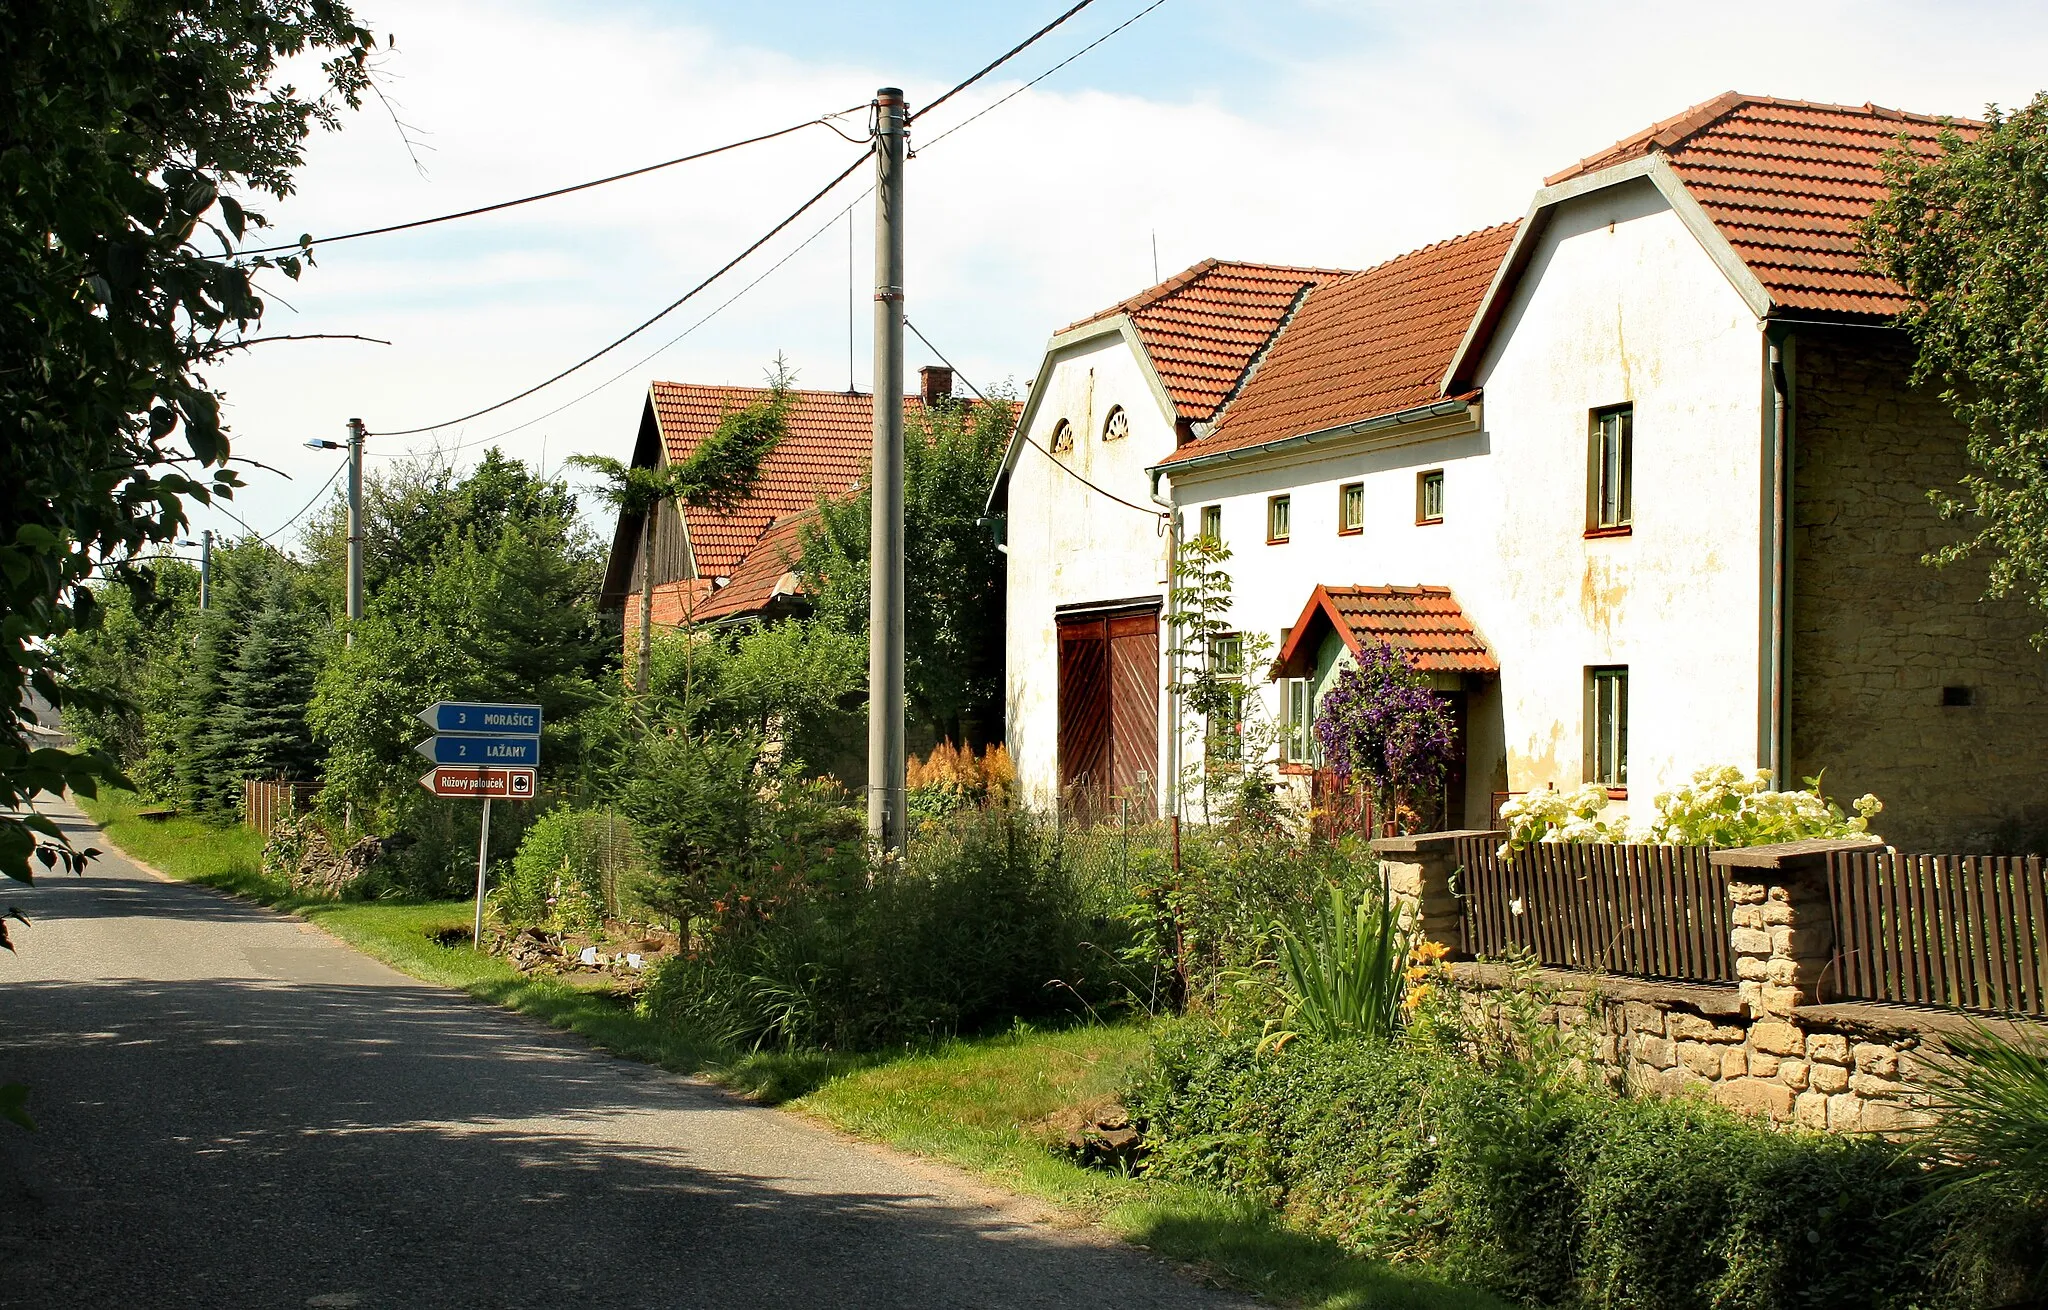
1344 974
1988 1147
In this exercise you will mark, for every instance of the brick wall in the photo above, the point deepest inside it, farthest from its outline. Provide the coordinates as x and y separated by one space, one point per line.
1876 635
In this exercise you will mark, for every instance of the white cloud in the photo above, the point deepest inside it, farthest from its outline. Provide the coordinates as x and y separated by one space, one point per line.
1428 122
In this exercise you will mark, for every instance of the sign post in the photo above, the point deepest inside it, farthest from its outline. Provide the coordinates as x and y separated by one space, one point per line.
483 751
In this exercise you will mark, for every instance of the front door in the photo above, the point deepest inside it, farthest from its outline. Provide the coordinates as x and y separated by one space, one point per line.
1109 712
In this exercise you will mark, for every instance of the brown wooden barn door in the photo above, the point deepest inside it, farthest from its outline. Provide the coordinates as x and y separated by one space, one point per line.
1084 709
1134 712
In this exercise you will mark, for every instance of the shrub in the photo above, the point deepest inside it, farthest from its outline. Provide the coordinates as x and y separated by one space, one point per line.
979 924
1721 807
1511 1173
574 868
952 778
1989 1143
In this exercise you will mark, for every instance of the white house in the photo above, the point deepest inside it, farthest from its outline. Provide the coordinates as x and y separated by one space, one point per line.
1638 480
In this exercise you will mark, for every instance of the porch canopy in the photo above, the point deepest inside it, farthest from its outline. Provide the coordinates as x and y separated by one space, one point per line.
1424 623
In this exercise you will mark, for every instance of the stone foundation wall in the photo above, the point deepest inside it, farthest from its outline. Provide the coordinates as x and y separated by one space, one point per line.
1876 635
1836 1068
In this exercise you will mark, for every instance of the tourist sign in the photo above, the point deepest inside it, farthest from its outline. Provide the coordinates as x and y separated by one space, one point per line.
480 784
500 752
482 717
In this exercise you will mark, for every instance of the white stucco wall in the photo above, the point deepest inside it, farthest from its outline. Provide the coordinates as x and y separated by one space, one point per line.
1618 303
1069 545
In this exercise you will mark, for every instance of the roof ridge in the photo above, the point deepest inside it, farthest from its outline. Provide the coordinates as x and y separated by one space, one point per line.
1668 133
1160 291
1389 262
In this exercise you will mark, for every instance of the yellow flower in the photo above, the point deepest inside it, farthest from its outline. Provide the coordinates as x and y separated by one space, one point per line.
1417 997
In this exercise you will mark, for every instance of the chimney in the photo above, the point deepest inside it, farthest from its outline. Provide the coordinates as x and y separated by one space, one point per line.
935 383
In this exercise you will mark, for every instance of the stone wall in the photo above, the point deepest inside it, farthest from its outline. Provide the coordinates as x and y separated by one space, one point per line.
1757 1042
1876 635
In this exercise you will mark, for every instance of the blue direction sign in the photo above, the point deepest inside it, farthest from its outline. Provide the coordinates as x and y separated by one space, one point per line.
481 750
479 717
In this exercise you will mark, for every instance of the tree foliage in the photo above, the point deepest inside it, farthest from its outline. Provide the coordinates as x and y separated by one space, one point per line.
1966 234
953 573
129 134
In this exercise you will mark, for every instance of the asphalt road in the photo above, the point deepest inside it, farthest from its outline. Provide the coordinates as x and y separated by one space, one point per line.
237 1110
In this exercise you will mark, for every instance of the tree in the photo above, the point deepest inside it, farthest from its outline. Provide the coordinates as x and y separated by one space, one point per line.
1227 725
953 573
271 686
718 474
1966 234
129 132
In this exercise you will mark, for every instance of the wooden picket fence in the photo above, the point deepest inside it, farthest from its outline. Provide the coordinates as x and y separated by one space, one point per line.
1969 931
1648 911
265 801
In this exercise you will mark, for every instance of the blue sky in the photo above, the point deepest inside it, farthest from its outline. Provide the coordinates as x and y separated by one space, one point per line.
1288 131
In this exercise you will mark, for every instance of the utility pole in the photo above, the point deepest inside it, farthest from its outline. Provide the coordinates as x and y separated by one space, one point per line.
355 526
205 567
885 533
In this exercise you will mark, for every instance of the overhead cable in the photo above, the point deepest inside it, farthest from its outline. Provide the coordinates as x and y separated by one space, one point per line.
1000 60
304 243
1042 76
670 308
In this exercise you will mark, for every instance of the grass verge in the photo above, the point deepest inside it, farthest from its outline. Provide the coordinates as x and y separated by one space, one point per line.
977 1104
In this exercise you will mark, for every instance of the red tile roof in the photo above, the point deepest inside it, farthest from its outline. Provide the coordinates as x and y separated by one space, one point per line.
1362 346
766 574
1425 623
1203 327
827 453
1788 182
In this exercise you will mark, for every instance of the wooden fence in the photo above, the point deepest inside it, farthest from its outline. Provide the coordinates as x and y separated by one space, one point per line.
1648 911
264 801
1949 930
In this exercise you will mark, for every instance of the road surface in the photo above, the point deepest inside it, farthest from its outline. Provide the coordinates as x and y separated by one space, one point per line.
237 1110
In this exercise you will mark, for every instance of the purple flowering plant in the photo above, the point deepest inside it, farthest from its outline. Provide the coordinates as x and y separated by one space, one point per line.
1382 728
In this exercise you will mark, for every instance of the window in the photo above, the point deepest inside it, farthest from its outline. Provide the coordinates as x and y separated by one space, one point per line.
1429 496
1062 437
1117 426
1279 510
1297 741
1225 736
1350 509
1212 524
1613 473
1607 726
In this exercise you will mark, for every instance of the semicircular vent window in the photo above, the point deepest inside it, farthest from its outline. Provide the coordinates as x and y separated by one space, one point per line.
1117 426
1062 437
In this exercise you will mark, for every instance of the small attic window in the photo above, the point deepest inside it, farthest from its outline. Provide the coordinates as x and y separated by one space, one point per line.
1117 426
1062 437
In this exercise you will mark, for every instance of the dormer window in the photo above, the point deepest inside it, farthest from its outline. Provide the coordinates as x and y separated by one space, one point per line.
1117 426
1062 437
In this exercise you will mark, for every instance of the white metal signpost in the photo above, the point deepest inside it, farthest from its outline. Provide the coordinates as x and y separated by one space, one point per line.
486 752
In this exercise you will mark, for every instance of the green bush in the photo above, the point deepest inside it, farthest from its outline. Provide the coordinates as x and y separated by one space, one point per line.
574 868
1510 1175
981 923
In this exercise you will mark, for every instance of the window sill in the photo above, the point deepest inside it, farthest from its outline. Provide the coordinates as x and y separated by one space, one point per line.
1297 770
1278 541
1617 793
1350 532
1624 530
1428 523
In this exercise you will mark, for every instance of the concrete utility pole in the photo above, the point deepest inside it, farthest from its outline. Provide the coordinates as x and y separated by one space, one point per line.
205 567
355 525
885 535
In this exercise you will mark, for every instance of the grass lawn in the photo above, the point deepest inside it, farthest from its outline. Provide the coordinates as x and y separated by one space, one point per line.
972 1103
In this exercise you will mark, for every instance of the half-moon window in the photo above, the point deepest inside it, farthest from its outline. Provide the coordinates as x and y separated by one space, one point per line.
1117 426
1062 437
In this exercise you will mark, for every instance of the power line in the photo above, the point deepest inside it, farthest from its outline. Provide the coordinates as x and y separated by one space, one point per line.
1153 510
658 350
1042 76
670 308
545 195
274 532
1002 59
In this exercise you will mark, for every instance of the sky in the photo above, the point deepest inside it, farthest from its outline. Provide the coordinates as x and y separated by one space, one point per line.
1322 132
